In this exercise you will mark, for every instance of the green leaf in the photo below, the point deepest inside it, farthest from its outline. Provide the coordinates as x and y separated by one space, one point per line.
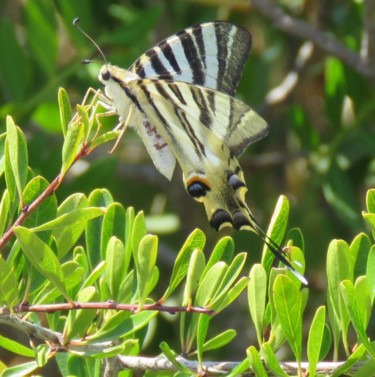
42 258
370 215
314 343
233 293
121 324
339 268
98 198
196 240
326 343
113 225
45 211
366 369
229 278
359 251
196 267
353 359
147 253
42 353
240 369
208 286
276 230
115 266
171 356
256 362
223 251
4 212
271 361
67 236
220 340
105 138
138 232
71 219
363 297
370 272
202 329
73 144
256 297
295 238
358 315
65 108
288 305
370 201
73 275
20 370
9 294
94 275
79 321
16 347
16 154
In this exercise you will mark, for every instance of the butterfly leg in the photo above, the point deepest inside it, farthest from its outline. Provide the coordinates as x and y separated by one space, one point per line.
122 126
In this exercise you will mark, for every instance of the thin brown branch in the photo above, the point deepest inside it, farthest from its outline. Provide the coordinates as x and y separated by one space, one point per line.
50 308
324 41
30 208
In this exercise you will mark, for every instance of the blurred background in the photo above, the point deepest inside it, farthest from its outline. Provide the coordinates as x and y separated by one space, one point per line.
321 111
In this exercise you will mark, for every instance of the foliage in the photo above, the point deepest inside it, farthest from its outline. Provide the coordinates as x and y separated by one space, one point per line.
75 243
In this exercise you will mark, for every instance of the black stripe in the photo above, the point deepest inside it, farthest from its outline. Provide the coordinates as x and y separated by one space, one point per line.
222 54
169 55
211 100
157 65
192 57
139 69
199 147
176 91
201 103
181 116
128 93
198 36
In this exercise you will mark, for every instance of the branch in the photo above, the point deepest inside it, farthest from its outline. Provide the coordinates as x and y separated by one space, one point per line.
109 305
326 42
159 363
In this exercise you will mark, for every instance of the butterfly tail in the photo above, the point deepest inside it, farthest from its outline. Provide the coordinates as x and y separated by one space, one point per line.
276 250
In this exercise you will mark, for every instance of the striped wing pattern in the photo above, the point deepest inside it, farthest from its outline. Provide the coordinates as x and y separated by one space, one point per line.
179 97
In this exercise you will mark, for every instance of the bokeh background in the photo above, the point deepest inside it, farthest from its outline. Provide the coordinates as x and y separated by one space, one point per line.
321 111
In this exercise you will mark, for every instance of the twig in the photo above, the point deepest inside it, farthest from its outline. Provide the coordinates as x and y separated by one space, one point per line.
50 308
324 41
30 208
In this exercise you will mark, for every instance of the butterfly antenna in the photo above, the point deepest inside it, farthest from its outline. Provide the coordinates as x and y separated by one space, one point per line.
278 252
85 61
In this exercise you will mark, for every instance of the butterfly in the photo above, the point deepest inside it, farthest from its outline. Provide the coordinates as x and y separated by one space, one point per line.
179 96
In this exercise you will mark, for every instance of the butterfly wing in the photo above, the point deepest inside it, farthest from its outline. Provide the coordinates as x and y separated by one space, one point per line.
212 54
190 128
